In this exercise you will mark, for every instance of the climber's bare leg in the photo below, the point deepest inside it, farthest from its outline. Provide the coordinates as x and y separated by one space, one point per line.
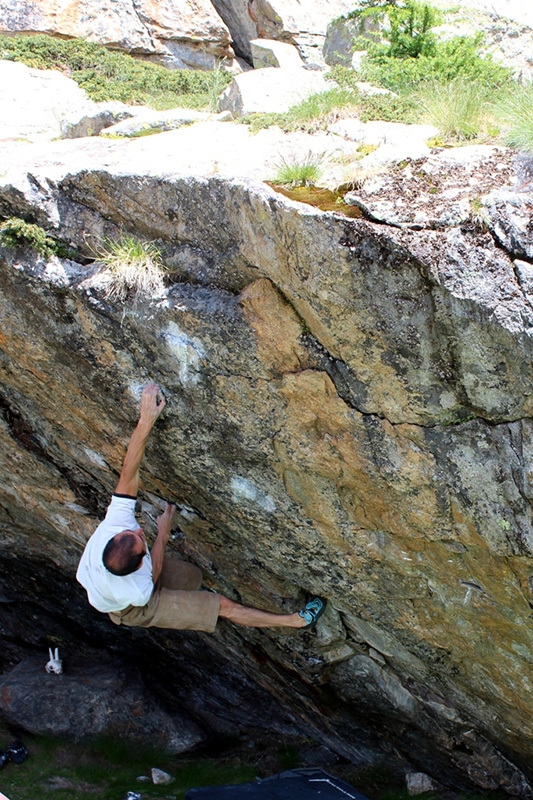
253 618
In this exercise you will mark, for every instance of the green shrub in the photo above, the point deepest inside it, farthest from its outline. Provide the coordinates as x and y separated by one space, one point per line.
387 107
516 109
407 25
458 57
110 75
16 232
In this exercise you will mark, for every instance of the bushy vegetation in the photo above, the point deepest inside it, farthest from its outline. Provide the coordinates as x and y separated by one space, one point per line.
390 107
450 83
109 75
409 25
16 232
458 57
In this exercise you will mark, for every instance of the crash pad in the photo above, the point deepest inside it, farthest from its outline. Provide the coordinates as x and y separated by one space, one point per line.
296 784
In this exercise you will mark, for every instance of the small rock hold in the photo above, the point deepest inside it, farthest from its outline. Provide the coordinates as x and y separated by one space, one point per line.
161 777
419 783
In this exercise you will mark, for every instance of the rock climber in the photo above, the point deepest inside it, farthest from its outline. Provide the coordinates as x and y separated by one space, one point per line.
138 587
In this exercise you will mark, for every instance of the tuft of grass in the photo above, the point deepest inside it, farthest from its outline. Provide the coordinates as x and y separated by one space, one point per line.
131 268
516 109
459 109
300 172
110 75
16 232
312 114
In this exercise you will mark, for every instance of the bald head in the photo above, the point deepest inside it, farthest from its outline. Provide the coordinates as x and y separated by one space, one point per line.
123 554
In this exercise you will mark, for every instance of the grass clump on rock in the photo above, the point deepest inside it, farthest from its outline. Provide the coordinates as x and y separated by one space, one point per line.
459 109
131 268
516 110
110 75
312 114
300 172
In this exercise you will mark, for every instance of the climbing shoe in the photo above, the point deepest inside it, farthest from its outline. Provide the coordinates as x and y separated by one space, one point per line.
313 610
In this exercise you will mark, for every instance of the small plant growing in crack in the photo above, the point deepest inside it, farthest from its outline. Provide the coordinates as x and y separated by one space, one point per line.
16 232
130 268
478 214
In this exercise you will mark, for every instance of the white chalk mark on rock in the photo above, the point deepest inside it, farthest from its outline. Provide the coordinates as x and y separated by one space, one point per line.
243 489
187 352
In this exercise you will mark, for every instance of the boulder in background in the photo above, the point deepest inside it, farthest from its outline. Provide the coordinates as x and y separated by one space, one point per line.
91 700
270 90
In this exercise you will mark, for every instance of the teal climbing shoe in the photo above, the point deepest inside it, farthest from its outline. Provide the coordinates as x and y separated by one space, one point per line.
313 610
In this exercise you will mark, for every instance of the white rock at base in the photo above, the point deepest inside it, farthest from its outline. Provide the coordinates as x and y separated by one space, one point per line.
160 777
419 783
271 90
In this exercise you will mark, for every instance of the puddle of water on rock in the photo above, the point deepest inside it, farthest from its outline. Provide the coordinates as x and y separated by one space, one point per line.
320 198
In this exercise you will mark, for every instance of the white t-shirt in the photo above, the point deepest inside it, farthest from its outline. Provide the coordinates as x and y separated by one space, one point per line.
108 592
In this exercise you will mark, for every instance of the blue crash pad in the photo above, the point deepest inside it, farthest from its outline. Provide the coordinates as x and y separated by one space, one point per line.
296 784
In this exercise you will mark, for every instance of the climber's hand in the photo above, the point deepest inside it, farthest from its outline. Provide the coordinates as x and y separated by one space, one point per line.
151 407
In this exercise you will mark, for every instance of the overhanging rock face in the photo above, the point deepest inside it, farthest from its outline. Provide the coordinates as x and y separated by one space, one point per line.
349 414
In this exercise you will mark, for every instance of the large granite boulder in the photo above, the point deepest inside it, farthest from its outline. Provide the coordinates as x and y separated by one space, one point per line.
188 34
349 413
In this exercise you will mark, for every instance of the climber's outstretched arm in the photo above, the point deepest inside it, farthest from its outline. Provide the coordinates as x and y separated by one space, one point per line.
150 410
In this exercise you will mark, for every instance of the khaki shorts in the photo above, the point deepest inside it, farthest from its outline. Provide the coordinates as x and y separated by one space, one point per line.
176 602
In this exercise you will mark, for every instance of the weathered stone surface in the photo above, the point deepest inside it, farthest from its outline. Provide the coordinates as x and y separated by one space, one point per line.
349 413
241 22
419 783
341 37
270 90
270 53
509 9
302 24
394 142
34 102
150 121
106 699
509 216
116 25
103 116
186 34
444 191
